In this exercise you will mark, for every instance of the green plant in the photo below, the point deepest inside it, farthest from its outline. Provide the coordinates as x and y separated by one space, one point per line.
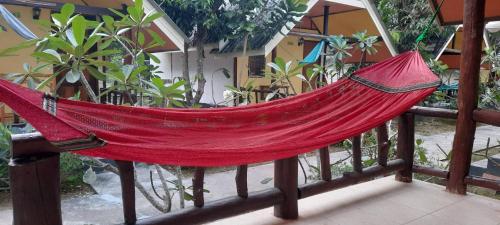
311 75
282 74
339 50
208 21
72 168
366 44
5 145
242 94
30 75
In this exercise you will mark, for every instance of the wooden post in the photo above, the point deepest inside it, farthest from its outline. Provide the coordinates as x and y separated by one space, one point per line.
127 180
35 189
357 164
241 181
467 95
286 179
199 176
324 156
406 146
383 144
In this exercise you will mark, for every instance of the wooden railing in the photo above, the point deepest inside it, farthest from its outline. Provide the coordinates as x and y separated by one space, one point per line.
34 173
485 116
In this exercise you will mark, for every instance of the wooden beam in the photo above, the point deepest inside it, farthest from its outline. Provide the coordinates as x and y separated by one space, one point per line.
31 144
467 95
219 209
434 112
35 190
286 180
56 6
431 171
487 116
483 182
127 181
406 146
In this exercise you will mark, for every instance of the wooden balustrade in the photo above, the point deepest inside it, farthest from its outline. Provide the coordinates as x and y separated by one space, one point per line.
127 180
326 172
434 112
487 116
357 163
241 181
430 171
286 180
33 153
35 181
406 145
198 181
382 144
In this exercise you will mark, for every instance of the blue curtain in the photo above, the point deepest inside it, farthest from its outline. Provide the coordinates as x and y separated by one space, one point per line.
313 56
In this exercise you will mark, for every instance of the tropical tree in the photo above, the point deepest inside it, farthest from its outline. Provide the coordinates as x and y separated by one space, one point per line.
407 19
208 21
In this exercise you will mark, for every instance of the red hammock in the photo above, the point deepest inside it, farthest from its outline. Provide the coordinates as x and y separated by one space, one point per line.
229 136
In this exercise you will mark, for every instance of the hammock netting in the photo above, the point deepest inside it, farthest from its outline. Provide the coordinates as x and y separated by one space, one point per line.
234 135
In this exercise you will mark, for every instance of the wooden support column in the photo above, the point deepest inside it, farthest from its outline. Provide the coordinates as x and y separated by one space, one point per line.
198 179
286 179
383 144
126 170
406 146
35 189
467 95
241 181
357 163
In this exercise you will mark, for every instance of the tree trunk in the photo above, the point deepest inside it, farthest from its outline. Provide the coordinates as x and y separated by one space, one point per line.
185 75
200 89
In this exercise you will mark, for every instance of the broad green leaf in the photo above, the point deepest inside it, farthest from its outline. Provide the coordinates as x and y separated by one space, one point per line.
71 37
153 57
151 16
134 13
96 73
117 12
46 81
73 76
140 38
53 53
104 53
67 10
421 156
61 44
91 41
79 26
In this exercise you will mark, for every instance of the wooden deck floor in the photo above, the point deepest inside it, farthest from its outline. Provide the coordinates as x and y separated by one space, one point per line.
384 202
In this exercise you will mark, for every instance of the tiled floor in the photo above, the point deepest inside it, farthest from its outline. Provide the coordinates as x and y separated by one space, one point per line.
384 202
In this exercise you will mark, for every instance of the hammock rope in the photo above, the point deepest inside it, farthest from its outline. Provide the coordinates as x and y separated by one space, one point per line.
234 135
425 32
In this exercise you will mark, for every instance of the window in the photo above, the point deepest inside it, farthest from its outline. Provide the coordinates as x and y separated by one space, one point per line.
256 66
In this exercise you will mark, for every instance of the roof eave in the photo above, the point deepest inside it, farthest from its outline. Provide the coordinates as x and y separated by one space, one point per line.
167 25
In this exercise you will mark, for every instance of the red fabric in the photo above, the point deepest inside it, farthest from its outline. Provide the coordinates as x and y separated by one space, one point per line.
237 135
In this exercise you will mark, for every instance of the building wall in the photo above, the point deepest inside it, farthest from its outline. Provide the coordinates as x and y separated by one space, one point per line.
288 49
14 64
171 66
